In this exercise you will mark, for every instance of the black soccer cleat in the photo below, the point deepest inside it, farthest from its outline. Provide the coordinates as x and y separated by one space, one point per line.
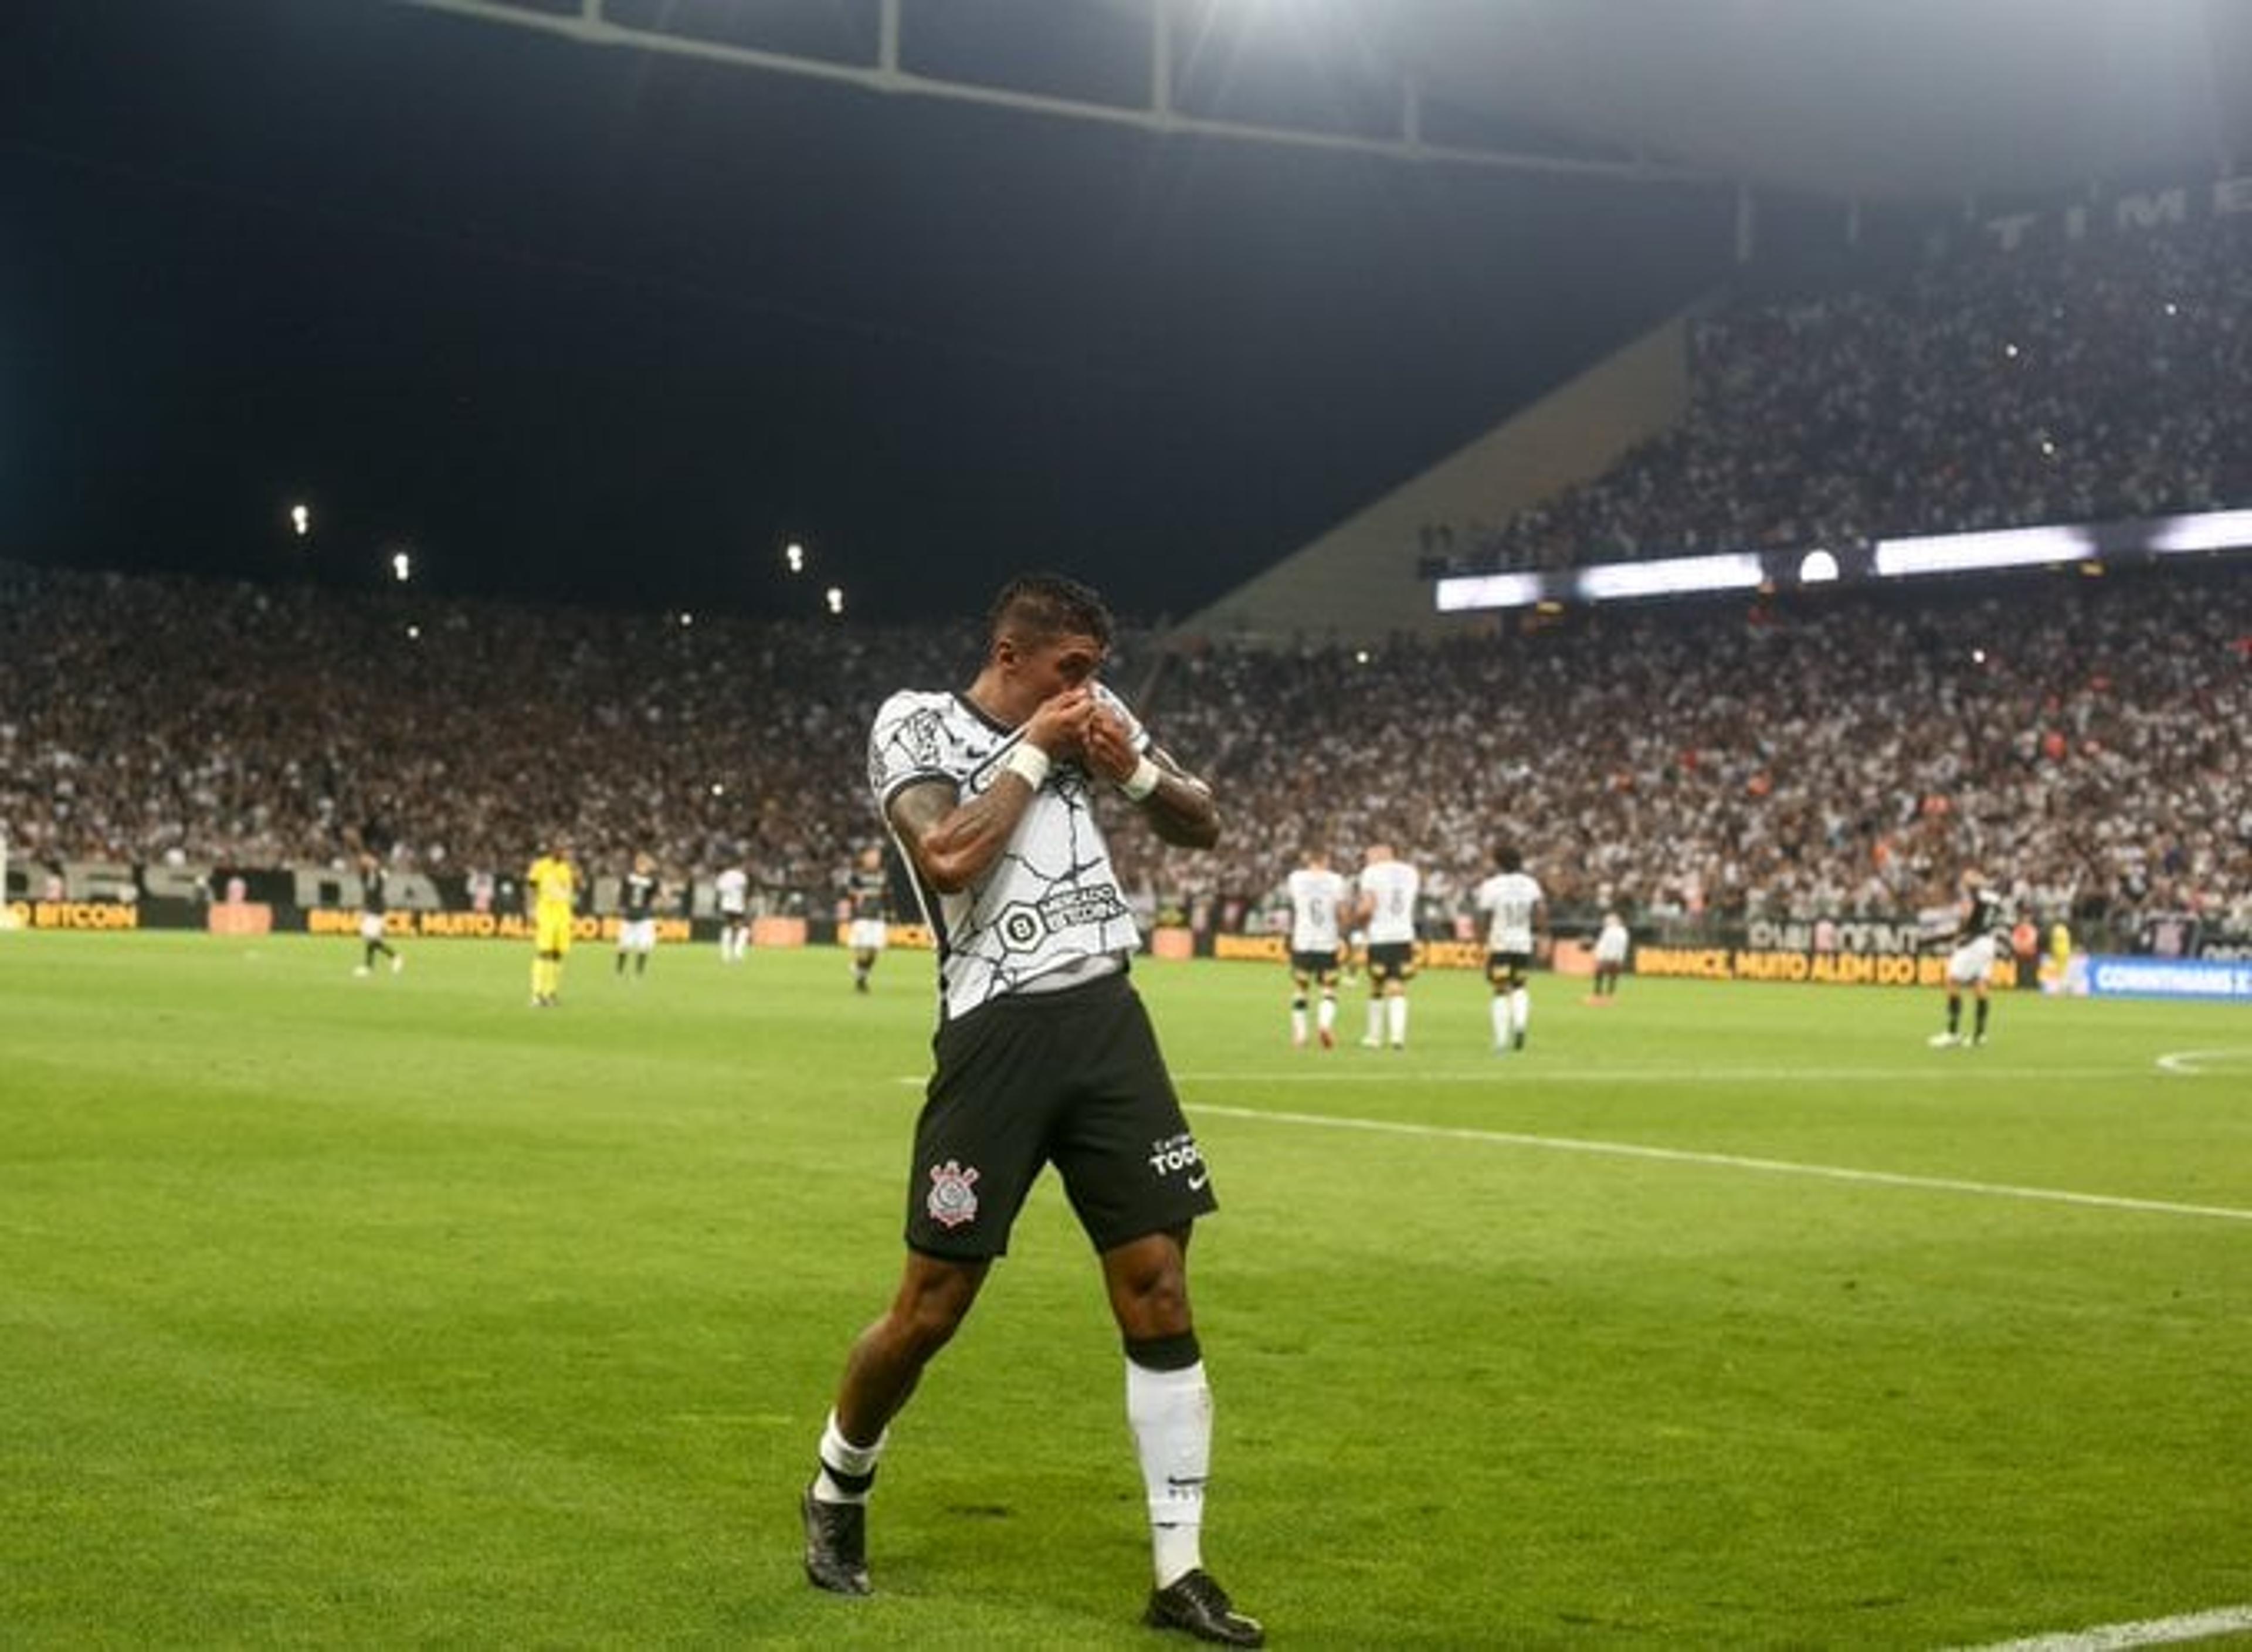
1195 1604
836 1545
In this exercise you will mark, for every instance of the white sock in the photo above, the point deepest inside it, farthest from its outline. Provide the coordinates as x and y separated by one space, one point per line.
1398 1018
1328 1011
1521 1007
1375 1020
1171 1414
845 1458
1501 1018
1298 1025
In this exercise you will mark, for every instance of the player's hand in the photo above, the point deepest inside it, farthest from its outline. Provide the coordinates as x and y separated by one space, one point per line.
1108 749
1058 726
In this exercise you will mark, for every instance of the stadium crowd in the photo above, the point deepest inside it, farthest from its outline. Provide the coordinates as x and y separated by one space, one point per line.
2084 740
2091 381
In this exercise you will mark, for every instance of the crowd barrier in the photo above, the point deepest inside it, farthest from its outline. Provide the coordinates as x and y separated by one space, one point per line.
103 896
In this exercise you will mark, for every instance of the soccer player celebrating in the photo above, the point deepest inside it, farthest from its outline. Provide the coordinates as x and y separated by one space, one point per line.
870 895
637 916
1516 908
1388 888
551 889
1972 961
373 902
1044 1054
1317 899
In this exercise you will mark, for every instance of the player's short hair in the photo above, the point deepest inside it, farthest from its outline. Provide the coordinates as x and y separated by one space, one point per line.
1037 608
1506 857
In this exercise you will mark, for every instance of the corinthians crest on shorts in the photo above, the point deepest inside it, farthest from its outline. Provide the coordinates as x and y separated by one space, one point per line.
953 1199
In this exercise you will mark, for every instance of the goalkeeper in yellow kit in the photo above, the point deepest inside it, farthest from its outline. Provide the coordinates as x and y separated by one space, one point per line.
551 889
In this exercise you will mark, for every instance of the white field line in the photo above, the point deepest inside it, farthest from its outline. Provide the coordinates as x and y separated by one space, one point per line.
1731 1162
2190 1626
2198 1064
1500 1073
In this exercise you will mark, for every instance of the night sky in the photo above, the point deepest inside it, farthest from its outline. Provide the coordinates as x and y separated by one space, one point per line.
599 325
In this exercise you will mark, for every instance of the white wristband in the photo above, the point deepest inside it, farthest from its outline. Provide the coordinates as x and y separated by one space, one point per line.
1029 763
1142 782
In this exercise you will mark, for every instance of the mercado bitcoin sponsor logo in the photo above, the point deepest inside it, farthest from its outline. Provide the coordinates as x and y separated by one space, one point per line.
78 914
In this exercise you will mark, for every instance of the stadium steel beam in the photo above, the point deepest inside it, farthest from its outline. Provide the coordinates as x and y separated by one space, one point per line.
590 25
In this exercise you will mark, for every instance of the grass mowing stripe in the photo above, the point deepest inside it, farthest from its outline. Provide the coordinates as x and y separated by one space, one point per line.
1739 1161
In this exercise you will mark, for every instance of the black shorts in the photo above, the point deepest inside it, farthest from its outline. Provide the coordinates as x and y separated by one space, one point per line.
1391 960
1071 1078
1314 966
1507 968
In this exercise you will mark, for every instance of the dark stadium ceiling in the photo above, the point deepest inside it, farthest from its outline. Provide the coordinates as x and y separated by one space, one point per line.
1853 99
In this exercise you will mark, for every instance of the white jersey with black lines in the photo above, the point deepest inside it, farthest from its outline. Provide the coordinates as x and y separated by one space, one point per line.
1392 885
1316 901
1510 898
1051 900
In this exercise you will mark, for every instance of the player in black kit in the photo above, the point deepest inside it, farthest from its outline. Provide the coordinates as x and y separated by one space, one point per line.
1972 961
637 897
373 902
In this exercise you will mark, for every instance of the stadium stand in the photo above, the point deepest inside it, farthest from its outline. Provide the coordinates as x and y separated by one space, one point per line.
2098 379
2084 739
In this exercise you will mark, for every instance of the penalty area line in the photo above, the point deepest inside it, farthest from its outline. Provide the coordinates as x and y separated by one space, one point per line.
2189 1626
1734 1162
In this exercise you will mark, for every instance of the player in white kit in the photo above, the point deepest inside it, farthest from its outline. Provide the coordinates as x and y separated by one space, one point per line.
1515 909
1388 888
1317 901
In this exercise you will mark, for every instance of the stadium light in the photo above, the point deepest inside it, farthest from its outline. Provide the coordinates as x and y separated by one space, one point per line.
1670 576
687 619
794 555
1474 590
300 520
2212 530
835 598
1818 568
402 567
1975 552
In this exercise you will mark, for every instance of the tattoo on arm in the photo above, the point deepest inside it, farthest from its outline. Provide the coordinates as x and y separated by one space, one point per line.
952 842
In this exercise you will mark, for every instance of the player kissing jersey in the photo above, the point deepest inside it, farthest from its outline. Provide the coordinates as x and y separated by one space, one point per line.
1052 900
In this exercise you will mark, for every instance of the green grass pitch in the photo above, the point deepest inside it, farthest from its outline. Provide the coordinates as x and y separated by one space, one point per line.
389 1312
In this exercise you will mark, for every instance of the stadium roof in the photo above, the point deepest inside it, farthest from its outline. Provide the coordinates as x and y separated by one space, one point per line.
1863 98
1875 99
